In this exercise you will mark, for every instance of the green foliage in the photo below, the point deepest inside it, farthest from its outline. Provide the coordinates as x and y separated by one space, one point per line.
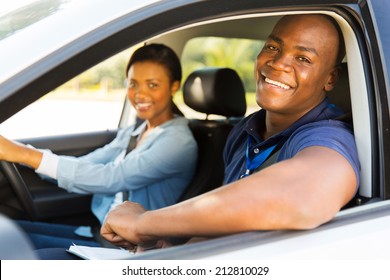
110 74
239 54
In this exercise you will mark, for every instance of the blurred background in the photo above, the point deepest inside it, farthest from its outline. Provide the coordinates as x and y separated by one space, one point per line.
94 100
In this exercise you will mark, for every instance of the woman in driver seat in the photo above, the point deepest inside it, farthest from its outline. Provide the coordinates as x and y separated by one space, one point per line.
143 164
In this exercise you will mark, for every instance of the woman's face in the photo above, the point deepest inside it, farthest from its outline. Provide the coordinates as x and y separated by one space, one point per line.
150 91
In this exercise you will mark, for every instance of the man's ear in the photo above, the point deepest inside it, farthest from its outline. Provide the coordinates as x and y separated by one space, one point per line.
332 79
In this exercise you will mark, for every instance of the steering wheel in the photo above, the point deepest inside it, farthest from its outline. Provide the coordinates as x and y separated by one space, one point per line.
19 186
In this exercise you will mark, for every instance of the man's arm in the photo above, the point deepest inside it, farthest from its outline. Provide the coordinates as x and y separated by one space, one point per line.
298 193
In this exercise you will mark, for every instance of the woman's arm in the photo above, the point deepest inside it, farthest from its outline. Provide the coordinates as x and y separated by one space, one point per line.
15 152
158 157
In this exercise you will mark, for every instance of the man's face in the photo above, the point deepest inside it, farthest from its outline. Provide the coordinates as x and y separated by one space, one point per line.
296 65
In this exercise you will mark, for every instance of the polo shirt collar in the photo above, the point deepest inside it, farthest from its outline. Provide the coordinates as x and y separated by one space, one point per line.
257 120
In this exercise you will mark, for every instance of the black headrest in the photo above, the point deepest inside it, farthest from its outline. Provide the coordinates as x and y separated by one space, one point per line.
217 91
341 95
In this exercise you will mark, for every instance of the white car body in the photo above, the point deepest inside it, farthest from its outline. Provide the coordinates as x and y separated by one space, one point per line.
85 29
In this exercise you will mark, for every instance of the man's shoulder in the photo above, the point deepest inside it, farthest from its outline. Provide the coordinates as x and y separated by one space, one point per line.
325 125
330 133
334 134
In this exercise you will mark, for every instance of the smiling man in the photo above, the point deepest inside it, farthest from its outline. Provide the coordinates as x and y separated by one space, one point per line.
315 168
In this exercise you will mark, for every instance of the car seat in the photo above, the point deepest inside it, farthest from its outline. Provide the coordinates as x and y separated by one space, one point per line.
212 91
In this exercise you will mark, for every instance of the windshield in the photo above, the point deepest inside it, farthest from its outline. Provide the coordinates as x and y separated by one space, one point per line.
16 15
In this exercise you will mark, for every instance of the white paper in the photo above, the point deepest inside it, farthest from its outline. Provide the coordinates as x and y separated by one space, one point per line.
99 253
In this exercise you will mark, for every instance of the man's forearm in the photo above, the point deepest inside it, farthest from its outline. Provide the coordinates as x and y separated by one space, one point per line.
292 194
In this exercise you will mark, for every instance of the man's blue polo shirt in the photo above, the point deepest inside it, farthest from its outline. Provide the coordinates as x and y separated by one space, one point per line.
316 128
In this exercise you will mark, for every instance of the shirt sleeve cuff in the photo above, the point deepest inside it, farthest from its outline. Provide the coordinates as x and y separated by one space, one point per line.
48 164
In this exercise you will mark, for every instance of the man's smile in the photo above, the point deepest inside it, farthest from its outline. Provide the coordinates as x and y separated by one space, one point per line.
276 83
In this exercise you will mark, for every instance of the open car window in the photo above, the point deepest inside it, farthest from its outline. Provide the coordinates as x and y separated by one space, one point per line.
92 101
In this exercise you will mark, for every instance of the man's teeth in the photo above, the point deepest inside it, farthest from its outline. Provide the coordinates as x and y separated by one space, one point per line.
276 83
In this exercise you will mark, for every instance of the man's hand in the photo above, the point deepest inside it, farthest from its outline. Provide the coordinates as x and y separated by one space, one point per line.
120 227
160 244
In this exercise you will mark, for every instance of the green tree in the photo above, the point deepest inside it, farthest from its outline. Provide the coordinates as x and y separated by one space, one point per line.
111 71
238 54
